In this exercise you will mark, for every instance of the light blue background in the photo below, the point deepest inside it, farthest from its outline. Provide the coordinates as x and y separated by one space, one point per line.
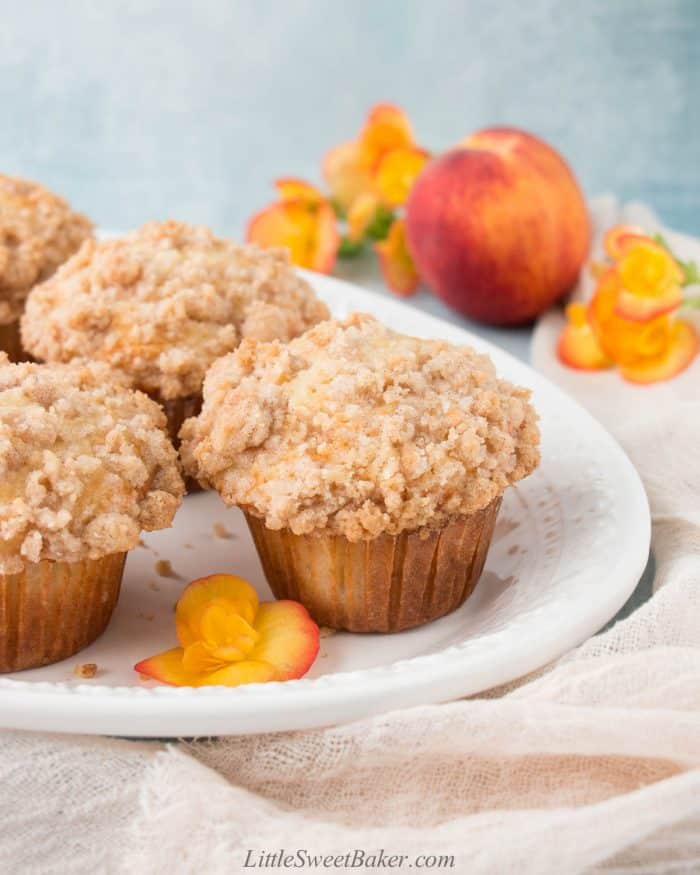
151 109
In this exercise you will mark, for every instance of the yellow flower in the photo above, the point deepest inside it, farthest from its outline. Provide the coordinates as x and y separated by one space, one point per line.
651 281
228 638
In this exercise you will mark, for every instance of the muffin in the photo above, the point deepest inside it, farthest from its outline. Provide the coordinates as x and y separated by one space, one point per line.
164 302
370 467
38 231
85 467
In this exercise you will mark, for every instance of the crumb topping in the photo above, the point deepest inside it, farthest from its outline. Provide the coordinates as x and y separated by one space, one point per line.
164 302
355 430
38 232
85 465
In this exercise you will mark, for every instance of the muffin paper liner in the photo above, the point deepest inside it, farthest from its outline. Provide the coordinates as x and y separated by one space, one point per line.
51 610
11 342
386 584
177 410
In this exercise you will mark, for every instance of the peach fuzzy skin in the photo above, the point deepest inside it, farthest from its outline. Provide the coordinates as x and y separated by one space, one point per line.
681 349
228 638
498 228
578 345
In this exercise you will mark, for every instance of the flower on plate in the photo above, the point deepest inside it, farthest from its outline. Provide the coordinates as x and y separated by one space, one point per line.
228 638
632 321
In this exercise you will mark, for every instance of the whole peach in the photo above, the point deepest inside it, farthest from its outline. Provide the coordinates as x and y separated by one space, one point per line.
498 227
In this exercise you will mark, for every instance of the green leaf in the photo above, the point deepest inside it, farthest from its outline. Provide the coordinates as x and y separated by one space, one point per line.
691 303
351 248
691 273
381 223
337 209
661 240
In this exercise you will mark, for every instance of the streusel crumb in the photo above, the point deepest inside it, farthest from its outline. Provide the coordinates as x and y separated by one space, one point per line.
85 465
355 430
164 302
38 231
86 670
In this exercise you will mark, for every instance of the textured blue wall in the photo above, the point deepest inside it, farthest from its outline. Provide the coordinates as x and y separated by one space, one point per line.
147 109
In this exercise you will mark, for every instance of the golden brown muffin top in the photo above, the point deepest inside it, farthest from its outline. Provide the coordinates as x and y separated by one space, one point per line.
85 464
38 231
355 430
164 302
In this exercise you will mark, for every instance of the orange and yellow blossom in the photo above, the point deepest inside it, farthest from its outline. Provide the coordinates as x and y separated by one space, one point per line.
395 260
630 320
303 221
228 638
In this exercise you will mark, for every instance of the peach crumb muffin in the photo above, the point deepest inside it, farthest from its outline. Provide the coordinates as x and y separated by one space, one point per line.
38 231
85 467
162 303
370 466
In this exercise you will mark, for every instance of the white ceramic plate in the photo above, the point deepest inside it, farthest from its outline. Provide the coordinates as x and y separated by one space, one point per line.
571 543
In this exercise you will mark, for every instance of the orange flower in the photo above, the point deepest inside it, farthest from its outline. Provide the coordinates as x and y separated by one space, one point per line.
303 221
620 236
396 263
396 173
631 318
578 345
651 281
646 351
383 161
228 638
679 351
361 215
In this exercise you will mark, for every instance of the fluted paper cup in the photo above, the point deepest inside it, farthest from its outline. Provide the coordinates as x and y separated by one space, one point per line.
177 410
51 610
11 342
386 584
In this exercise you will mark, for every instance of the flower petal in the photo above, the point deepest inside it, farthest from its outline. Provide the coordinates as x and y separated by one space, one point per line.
396 173
615 236
624 340
308 231
167 667
223 628
641 309
289 638
578 345
290 224
249 671
197 658
291 188
347 174
326 240
679 353
387 127
199 595
396 263
361 214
